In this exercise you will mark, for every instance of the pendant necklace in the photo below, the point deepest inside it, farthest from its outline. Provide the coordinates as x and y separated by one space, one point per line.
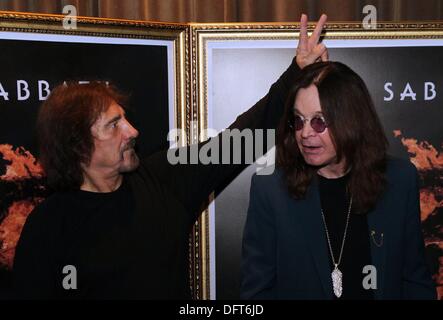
337 275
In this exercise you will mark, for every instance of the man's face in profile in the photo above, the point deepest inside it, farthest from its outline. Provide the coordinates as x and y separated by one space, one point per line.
114 141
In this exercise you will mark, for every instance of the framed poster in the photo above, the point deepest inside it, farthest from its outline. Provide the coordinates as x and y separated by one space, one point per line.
401 64
200 76
145 60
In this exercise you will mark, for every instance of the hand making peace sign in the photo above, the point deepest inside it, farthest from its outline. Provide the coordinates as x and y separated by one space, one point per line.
309 50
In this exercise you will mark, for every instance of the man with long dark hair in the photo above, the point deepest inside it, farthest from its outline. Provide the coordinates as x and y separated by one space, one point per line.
119 222
338 218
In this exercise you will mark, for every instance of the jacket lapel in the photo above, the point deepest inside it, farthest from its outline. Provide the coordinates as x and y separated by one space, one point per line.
309 212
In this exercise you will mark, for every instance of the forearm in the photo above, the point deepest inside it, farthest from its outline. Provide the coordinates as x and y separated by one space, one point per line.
197 179
267 112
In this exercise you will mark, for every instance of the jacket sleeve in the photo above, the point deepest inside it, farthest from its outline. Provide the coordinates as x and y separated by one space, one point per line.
192 183
417 280
258 267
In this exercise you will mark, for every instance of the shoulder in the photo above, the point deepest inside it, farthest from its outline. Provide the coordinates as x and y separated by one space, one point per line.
155 165
42 224
269 181
268 176
400 171
49 210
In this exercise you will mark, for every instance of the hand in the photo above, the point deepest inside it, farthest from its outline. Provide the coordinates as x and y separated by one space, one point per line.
309 50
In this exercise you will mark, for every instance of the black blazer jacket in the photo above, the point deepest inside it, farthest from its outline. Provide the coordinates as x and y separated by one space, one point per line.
285 254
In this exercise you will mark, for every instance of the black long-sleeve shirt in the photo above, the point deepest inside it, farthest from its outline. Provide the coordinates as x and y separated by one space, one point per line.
133 242
356 251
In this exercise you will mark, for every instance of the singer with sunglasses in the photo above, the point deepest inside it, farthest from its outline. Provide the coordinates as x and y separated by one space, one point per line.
338 218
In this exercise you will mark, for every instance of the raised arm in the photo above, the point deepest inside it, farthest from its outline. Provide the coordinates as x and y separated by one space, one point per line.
193 183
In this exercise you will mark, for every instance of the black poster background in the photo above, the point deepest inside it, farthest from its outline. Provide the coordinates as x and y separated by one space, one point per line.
416 119
138 70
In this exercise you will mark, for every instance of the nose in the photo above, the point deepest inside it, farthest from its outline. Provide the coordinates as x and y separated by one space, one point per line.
307 130
132 133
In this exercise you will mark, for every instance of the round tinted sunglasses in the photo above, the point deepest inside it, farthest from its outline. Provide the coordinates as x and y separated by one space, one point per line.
318 123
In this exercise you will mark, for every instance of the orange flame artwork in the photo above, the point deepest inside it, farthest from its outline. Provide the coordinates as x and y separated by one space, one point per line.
429 162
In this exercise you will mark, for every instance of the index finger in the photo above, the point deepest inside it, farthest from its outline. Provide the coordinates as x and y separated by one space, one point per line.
303 38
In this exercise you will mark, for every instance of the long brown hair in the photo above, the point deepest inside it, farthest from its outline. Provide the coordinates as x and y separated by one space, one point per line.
64 130
355 130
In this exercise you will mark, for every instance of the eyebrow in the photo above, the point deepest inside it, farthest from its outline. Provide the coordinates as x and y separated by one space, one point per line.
300 113
115 119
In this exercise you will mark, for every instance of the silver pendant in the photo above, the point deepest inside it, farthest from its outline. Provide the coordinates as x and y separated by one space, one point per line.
337 278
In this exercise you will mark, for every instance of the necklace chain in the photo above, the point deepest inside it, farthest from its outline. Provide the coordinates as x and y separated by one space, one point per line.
344 235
